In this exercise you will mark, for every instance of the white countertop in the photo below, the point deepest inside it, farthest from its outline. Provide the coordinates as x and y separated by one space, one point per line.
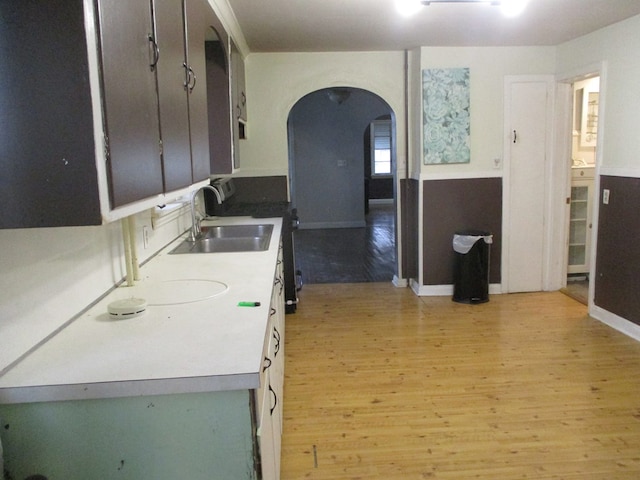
193 337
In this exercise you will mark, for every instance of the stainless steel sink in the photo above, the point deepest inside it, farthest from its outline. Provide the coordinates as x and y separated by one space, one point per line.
228 238
237 231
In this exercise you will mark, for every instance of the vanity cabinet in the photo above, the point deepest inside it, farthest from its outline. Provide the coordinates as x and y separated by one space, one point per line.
109 111
580 220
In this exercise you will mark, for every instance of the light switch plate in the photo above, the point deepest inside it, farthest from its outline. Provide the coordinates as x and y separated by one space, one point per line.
605 196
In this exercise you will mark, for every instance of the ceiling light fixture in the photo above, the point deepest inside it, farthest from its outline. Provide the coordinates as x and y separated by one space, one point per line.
429 2
510 8
338 95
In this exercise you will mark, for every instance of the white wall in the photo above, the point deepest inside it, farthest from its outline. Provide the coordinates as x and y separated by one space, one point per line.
48 275
488 67
276 81
616 47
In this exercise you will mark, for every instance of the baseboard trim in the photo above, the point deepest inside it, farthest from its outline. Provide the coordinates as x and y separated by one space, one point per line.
446 290
317 225
614 321
399 282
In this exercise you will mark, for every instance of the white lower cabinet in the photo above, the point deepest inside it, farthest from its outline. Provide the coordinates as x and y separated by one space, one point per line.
580 221
270 394
222 435
203 436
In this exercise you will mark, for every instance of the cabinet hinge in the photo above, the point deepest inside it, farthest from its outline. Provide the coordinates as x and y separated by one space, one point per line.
160 147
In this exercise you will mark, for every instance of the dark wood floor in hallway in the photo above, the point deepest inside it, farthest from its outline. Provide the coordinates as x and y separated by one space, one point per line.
382 384
349 255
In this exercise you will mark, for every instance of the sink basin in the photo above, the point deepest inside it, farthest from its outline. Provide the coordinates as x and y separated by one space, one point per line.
237 231
229 238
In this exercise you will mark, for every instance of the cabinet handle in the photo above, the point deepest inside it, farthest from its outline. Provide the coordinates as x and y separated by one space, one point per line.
275 399
155 53
266 363
189 78
277 282
276 336
187 75
515 136
192 74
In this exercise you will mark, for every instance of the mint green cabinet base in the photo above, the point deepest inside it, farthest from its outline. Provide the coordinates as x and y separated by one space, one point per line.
166 437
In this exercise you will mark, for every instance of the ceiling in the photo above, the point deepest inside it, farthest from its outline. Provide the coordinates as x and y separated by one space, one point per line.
375 25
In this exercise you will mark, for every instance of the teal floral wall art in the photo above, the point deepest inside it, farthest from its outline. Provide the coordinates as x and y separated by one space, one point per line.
445 115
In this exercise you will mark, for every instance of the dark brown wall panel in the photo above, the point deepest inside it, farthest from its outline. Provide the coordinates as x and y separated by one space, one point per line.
454 205
617 281
261 189
409 226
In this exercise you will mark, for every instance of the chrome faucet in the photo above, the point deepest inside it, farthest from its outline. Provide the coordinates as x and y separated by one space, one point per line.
195 222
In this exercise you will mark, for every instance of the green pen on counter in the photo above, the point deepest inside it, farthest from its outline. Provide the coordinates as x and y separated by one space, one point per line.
248 304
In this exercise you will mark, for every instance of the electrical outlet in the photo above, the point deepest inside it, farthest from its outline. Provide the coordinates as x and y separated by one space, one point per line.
145 236
605 196
497 163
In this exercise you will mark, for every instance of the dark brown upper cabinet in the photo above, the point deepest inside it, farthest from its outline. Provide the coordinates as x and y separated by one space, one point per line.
105 107
128 58
47 149
183 93
239 96
218 84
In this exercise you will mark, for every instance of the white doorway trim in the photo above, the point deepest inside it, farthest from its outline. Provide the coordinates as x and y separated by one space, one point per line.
562 184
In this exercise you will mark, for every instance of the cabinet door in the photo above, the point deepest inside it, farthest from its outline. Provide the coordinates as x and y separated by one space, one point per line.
239 97
580 227
130 101
47 149
198 16
239 89
172 94
268 465
219 97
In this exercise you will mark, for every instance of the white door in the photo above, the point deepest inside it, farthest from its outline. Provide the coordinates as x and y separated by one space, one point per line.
526 120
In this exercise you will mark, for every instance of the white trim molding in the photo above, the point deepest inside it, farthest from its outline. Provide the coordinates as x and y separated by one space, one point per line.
614 321
446 290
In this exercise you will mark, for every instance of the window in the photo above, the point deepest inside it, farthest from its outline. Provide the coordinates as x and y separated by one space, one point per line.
381 147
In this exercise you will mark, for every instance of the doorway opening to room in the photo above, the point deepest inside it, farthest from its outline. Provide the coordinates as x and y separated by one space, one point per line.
582 167
342 169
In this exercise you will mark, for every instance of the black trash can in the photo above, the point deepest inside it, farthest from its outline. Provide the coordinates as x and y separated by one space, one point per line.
471 266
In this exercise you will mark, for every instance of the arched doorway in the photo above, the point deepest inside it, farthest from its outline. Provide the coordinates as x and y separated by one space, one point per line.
331 149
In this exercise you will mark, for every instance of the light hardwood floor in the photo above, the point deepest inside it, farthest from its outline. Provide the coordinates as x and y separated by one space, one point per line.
381 384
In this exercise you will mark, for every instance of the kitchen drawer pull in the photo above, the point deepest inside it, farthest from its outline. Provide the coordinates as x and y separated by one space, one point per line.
192 74
276 336
275 399
187 75
266 363
278 281
272 312
156 53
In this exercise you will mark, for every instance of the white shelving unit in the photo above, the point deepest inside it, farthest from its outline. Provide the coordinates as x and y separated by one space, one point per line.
580 220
